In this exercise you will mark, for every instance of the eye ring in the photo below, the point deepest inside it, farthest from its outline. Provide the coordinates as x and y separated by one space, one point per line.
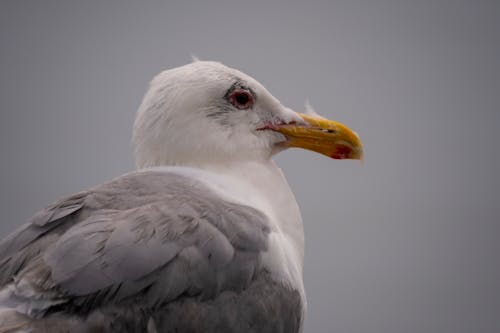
241 99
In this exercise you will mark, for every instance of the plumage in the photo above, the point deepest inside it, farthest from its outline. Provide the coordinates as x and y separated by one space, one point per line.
205 237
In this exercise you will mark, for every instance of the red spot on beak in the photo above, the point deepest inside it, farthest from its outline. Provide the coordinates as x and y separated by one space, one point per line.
341 152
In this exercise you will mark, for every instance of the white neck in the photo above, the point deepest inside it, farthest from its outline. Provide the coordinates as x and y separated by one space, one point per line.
263 185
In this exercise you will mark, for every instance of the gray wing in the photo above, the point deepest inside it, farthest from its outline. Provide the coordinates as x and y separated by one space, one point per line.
145 239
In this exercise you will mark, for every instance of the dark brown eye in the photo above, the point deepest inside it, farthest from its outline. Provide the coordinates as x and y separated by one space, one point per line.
241 99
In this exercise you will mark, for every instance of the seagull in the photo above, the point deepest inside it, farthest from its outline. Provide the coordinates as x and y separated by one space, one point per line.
205 236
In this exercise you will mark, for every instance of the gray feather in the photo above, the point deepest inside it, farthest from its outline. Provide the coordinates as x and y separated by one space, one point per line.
156 240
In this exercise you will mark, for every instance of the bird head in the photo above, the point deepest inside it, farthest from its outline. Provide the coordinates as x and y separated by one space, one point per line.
205 112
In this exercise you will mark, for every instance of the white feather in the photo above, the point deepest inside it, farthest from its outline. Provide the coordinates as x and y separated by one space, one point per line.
309 110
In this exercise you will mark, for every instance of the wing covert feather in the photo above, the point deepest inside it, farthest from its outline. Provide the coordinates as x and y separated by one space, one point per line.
152 235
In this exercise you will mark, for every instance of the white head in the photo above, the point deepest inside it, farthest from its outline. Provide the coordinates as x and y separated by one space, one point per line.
205 112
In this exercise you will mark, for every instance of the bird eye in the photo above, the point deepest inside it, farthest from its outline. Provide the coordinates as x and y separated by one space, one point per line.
241 99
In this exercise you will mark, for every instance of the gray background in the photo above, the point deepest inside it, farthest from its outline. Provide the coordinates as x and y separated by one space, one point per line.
407 242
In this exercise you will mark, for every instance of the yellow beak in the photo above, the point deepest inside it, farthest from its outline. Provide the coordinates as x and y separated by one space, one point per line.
323 136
